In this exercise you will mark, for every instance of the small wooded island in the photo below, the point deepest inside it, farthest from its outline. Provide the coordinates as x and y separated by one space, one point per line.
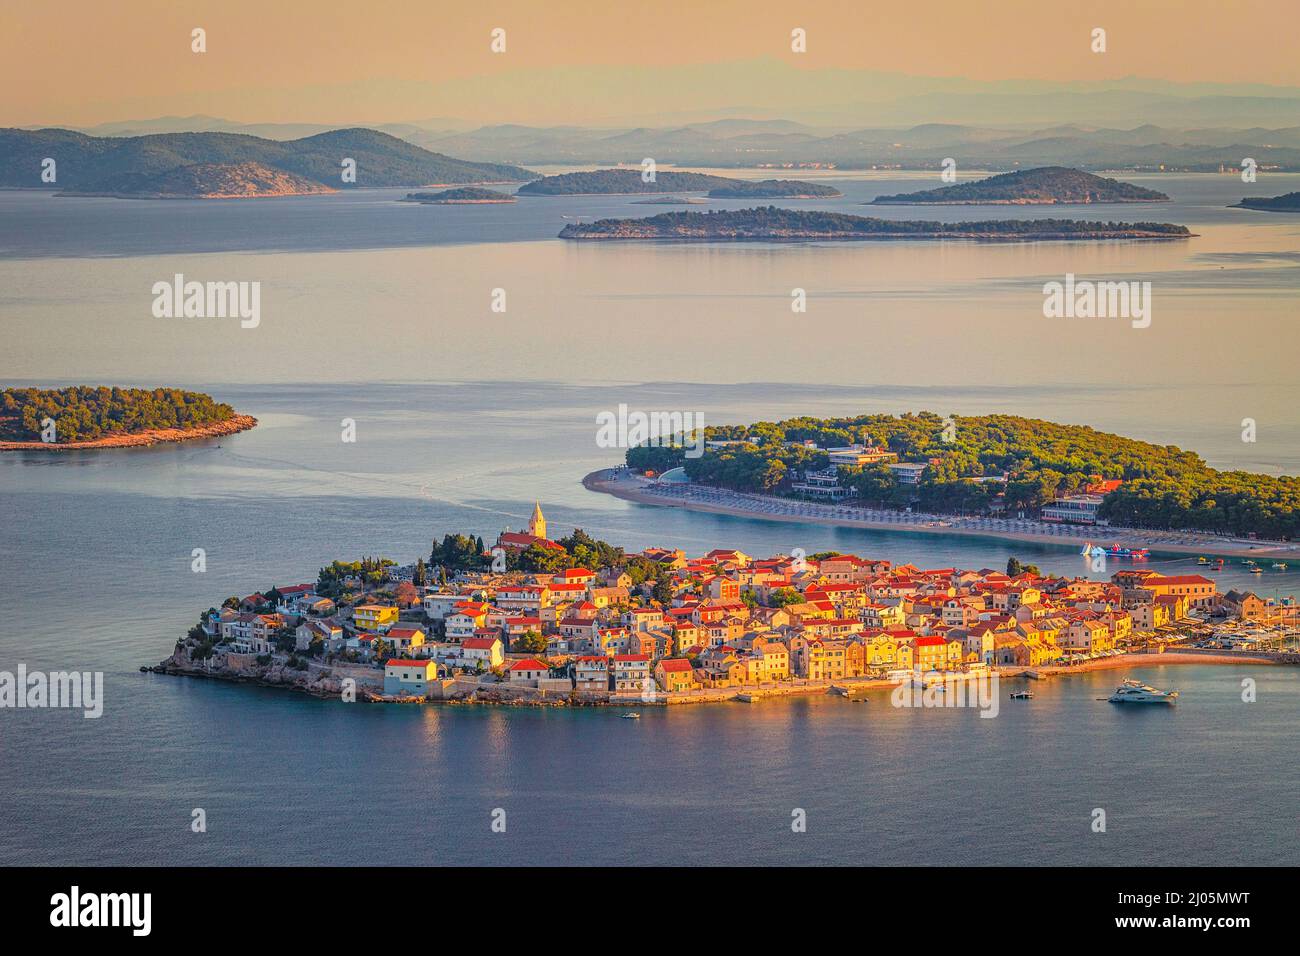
88 416
1045 186
1287 203
616 182
774 189
466 195
772 224
670 201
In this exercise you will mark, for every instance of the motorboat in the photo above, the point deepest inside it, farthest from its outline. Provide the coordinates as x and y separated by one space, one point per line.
1202 560
1136 692
632 716
1021 695
1118 551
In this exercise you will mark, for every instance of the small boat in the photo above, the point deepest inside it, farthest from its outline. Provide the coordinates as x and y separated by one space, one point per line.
1202 560
1257 570
1118 551
1248 562
1021 695
1279 565
1136 692
632 716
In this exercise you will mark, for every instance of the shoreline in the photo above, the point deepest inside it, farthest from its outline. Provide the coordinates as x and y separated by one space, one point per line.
1127 236
1022 202
150 436
772 508
327 688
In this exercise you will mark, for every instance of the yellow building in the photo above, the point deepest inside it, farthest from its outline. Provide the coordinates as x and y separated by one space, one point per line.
374 617
824 660
932 653
887 652
675 674
776 660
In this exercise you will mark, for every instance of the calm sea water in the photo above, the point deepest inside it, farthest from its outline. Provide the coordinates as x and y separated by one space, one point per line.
464 418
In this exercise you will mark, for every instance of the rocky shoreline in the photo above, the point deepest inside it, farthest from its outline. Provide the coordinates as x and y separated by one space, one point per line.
151 436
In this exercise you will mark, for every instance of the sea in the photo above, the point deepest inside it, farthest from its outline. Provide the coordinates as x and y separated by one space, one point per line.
380 313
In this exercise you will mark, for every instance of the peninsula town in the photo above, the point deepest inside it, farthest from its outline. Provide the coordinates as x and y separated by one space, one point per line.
578 621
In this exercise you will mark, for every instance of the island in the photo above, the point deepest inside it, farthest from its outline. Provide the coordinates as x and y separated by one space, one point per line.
983 474
465 195
621 182
784 225
1047 185
129 165
670 201
88 416
1290 202
575 621
203 181
774 189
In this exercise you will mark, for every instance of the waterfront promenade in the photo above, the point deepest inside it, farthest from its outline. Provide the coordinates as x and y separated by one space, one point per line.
632 487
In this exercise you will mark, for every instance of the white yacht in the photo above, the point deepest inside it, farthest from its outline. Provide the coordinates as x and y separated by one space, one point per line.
1136 692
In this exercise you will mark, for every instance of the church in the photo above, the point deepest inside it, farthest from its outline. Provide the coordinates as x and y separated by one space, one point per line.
536 534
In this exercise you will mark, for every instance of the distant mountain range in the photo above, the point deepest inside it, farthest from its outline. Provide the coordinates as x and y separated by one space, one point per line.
786 144
105 164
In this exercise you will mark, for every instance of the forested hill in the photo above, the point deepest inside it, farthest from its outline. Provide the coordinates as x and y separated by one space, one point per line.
1163 485
381 160
87 412
1047 185
1287 203
622 181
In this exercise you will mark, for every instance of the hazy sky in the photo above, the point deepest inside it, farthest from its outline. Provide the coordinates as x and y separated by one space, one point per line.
89 61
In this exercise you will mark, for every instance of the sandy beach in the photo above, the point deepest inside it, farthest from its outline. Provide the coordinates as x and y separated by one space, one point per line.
633 487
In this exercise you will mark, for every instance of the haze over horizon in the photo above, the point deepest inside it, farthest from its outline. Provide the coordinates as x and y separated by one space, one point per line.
1193 63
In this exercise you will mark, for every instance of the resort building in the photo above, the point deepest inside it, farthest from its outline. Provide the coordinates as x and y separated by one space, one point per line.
1073 509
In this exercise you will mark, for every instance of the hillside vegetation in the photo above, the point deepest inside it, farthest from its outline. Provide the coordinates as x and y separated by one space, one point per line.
382 160
1046 185
87 412
1163 485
